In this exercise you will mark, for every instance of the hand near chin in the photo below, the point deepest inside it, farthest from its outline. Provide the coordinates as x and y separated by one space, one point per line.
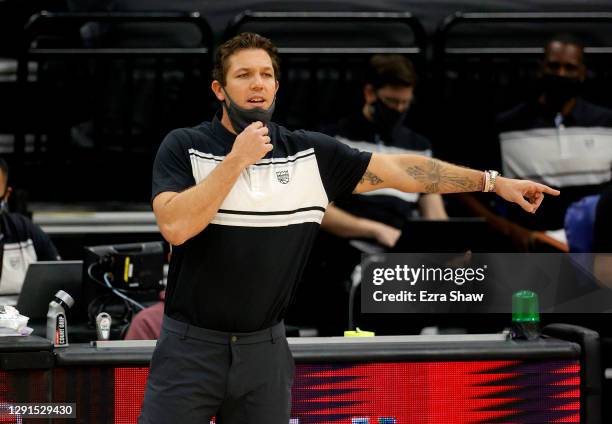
252 144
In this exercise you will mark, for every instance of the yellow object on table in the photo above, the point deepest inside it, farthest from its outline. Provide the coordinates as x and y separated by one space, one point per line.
358 333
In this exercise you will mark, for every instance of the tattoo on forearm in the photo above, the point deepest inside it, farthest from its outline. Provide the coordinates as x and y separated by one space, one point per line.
438 177
371 178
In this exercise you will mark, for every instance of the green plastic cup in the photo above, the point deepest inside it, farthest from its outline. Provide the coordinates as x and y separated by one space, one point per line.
525 307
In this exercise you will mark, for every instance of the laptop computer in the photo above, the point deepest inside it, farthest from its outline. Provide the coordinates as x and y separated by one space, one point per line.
42 280
454 235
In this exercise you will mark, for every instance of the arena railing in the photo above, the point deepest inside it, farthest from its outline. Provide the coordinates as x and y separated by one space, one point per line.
485 63
324 56
127 67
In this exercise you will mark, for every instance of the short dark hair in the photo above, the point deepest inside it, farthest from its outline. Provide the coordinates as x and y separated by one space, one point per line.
391 69
243 41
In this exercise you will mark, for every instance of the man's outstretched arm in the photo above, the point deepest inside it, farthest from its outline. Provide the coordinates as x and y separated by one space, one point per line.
414 173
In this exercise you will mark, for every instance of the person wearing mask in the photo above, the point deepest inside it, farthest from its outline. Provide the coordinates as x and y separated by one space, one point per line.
380 127
241 199
21 243
557 138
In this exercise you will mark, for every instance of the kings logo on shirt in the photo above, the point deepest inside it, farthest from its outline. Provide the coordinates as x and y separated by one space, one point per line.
283 176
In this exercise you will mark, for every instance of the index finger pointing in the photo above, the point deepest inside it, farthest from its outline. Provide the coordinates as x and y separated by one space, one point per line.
545 189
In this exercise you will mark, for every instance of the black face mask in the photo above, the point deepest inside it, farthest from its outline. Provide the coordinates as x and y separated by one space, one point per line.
242 118
558 90
385 118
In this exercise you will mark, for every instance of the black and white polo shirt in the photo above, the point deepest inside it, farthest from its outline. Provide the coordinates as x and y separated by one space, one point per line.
573 153
240 273
22 243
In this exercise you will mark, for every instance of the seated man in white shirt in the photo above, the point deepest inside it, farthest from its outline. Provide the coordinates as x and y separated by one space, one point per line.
21 241
557 138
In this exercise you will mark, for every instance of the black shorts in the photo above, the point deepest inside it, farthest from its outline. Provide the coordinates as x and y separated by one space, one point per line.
197 373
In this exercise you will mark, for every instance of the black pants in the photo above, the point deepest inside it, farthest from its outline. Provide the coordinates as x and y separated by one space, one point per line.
238 377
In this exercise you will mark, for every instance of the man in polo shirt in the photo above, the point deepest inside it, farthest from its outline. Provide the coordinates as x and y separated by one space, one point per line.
241 199
21 243
379 128
557 138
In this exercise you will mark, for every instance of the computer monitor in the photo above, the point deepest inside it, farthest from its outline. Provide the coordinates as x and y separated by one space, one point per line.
135 270
453 235
42 280
133 266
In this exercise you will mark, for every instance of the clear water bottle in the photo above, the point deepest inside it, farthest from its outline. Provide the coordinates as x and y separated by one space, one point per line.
57 325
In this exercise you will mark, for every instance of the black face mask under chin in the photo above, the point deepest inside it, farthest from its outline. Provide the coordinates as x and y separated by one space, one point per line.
241 118
385 118
558 90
